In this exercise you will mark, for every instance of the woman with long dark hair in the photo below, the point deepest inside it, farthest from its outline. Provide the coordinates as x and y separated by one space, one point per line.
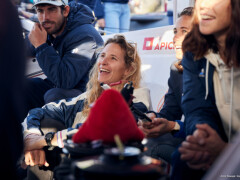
211 84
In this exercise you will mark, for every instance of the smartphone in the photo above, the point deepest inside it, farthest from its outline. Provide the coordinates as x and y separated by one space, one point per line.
145 119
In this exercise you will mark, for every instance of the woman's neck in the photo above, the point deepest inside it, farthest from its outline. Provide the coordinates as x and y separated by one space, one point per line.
221 40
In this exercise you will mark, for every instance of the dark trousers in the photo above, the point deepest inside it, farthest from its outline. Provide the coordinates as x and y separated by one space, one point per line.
181 171
162 147
35 90
42 91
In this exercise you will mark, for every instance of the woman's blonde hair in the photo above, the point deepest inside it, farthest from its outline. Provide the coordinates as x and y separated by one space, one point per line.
132 60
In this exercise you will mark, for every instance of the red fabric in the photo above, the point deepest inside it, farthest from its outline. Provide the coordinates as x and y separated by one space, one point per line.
109 116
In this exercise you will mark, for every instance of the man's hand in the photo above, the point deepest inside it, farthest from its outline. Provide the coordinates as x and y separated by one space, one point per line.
38 35
36 157
101 23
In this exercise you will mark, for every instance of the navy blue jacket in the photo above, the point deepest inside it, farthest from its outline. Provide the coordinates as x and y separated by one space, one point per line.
95 5
197 109
116 1
67 59
171 109
89 3
66 111
99 10
172 102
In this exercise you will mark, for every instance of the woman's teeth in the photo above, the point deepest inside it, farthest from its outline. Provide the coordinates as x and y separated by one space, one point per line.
104 70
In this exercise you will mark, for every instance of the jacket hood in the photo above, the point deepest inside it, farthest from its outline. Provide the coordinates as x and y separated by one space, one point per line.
79 14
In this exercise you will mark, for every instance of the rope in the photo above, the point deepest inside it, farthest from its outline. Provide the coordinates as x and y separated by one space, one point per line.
159 106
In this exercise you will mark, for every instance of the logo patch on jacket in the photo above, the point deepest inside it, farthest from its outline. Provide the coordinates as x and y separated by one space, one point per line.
202 74
75 50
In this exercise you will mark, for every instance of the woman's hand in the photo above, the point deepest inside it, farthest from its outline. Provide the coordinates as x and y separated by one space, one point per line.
147 125
213 142
35 157
157 127
202 148
194 155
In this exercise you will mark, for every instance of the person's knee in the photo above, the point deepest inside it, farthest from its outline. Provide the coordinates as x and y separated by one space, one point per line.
56 94
35 81
53 95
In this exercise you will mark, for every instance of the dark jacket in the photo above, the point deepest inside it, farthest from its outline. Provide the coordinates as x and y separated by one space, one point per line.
172 102
95 5
171 109
116 1
67 59
197 109
67 111
89 3
99 10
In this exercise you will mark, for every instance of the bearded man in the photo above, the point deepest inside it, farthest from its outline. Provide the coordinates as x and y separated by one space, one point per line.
64 42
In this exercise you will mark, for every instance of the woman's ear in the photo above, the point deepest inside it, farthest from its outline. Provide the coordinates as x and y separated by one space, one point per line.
66 11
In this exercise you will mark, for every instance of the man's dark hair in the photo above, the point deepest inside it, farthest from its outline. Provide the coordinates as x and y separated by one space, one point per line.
62 8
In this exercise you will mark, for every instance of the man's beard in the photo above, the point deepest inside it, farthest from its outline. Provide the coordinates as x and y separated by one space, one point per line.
58 27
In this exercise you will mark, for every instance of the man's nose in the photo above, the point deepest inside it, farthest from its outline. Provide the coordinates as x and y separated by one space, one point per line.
45 16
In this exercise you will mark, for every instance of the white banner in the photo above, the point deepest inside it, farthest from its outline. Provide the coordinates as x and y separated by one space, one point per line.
155 47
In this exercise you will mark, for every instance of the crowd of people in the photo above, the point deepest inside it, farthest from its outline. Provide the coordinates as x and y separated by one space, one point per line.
203 84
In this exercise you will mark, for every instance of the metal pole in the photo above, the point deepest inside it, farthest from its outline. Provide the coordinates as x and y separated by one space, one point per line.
174 11
191 3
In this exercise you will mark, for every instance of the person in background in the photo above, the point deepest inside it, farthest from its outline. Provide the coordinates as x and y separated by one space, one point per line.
27 5
211 88
117 64
169 118
113 15
90 3
64 43
12 69
97 8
